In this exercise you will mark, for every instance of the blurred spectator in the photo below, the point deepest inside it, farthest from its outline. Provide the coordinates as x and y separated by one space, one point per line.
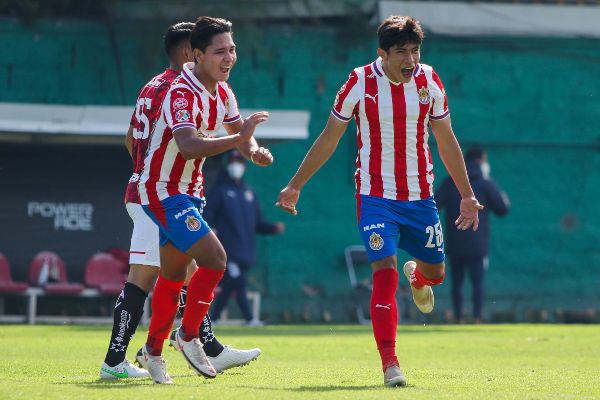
232 210
468 250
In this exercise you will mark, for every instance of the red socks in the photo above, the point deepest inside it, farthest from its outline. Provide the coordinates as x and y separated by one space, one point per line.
417 280
384 314
165 302
199 296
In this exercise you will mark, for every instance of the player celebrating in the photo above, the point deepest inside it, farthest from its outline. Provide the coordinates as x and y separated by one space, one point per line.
393 100
144 253
196 105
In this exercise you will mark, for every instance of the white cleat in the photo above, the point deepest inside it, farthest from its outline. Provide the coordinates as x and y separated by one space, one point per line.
231 358
423 297
122 370
156 366
194 354
393 376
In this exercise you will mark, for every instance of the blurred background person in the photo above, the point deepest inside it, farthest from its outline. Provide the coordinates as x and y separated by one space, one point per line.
234 213
468 250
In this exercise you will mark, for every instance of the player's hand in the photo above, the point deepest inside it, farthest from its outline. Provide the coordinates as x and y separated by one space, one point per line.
261 157
287 200
469 208
250 124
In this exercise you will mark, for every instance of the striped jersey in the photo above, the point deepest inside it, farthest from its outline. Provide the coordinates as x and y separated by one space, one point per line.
187 104
147 111
394 160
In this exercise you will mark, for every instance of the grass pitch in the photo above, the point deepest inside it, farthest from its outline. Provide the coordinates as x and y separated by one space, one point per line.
319 362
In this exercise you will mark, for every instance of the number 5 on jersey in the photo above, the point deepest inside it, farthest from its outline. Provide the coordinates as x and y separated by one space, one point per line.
141 108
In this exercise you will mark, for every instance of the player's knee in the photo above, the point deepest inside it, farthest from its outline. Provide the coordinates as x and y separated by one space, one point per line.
217 261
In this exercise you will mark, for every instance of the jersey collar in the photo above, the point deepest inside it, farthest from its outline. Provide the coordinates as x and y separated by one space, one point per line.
189 76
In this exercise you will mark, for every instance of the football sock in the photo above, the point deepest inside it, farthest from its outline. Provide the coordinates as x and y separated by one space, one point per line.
384 314
417 280
164 310
212 347
126 317
199 297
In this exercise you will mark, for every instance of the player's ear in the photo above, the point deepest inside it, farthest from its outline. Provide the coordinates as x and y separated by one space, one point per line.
198 55
382 53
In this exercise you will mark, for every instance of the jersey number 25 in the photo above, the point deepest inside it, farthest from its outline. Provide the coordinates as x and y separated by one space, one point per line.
141 107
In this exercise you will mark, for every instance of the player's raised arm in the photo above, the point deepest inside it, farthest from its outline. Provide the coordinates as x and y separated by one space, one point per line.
318 154
260 156
453 160
192 146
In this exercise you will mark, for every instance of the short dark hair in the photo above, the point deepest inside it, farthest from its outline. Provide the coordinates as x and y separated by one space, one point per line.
176 34
205 29
475 153
399 30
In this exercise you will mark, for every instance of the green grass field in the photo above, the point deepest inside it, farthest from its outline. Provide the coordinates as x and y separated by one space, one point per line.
324 362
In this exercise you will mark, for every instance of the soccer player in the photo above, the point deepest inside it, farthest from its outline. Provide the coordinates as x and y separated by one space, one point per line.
196 105
393 99
144 253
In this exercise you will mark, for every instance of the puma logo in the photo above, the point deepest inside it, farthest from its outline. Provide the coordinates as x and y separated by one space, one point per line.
386 306
374 98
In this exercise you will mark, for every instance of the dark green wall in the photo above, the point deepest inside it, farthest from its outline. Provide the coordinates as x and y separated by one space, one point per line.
532 102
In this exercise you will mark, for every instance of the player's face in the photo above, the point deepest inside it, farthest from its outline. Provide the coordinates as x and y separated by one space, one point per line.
400 61
218 58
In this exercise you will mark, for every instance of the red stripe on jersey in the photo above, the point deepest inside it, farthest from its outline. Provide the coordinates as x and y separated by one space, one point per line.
154 173
175 175
421 83
399 118
372 111
437 80
344 91
212 114
194 179
222 93
358 162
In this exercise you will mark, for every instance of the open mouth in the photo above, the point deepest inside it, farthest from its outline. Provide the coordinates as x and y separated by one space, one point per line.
407 72
225 70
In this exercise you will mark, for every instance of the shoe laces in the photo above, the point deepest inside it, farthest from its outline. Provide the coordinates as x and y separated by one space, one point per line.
197 351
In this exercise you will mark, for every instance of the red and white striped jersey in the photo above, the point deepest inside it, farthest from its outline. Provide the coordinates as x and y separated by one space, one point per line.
187 104
147 111
394 160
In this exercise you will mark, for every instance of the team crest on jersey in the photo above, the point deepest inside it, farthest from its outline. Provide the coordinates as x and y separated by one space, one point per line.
375 241
182 115
424 95
180 103
192 223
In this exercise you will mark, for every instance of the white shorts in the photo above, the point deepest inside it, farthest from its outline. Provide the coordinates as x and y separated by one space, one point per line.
144 248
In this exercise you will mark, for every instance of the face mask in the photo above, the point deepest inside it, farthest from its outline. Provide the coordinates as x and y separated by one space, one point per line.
485 169
236 170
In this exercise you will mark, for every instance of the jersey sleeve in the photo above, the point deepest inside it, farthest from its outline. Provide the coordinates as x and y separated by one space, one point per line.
347 98
231 106
439 109
178 108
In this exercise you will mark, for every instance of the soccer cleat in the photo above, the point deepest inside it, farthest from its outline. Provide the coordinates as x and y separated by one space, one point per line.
393 376
423 297
231 358
156 366
122 370
194 354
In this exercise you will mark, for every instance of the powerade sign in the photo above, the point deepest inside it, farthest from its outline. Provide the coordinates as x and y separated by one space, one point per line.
66 216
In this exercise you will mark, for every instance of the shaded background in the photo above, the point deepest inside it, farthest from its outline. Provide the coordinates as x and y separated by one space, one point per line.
532 102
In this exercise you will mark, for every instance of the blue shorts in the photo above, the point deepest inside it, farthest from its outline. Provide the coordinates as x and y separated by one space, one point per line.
179 220
413 226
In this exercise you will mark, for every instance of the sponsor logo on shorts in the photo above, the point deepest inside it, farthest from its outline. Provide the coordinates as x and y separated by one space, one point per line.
192 223
180 103
182 115
375 241
183 212
373 226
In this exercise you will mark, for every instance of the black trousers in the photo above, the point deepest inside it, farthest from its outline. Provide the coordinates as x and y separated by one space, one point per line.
234 280
475 267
